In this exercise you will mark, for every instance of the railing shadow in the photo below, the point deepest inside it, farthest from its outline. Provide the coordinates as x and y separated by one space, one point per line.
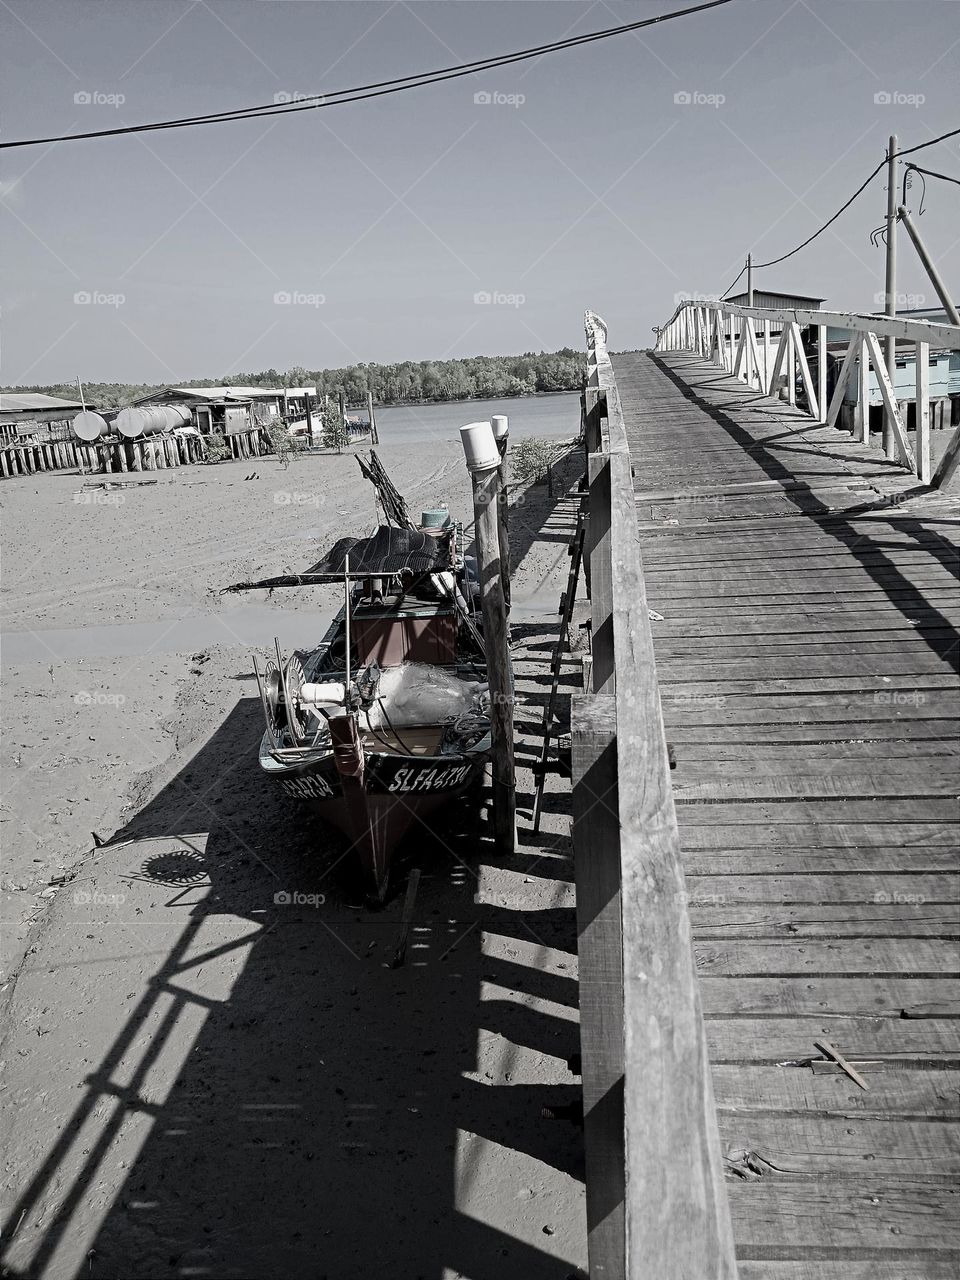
324 1116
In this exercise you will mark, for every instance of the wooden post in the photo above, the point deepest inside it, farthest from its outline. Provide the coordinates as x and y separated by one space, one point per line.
501 434
5 463
371 414
822 372
601 574
596 851
862 412
790 362
922 413
485 477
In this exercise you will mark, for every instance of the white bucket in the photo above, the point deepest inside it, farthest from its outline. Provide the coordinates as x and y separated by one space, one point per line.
479 446
501 426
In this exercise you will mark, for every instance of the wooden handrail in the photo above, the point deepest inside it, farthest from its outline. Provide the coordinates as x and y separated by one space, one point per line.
656 1200
948 335
727 334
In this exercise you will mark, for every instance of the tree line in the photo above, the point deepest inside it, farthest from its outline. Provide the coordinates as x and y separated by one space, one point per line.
473 377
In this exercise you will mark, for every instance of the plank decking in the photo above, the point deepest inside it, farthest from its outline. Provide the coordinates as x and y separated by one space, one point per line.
807 652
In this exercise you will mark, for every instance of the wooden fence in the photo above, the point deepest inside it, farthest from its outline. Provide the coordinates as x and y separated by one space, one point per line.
728 335
656 1199
147 453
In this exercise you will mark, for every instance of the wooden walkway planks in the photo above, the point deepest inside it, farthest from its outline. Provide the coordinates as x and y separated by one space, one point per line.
807 656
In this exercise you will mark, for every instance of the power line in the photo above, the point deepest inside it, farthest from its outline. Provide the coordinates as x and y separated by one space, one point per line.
378 89
731 286
931 173
846 205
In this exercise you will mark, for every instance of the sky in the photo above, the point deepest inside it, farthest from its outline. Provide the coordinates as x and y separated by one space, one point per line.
430 225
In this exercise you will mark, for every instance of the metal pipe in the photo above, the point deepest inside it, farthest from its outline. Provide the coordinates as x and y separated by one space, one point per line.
931 270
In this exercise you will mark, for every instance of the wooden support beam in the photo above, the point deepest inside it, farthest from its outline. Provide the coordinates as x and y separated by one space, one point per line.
496 639
843 377
773 370
596 853
947 471
893 413
807 380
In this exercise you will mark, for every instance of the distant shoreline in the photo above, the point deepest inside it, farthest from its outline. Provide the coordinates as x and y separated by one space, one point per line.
519 395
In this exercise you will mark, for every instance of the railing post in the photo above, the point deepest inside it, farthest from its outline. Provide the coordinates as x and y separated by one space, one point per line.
791 355
822 372
922 414
862 413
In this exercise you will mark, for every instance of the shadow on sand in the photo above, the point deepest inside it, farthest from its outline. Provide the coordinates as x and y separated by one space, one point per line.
325 1118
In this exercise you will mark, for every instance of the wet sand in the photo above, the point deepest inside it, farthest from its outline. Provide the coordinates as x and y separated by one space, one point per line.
200 1080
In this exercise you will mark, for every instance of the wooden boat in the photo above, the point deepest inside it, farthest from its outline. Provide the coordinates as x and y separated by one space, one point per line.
388 718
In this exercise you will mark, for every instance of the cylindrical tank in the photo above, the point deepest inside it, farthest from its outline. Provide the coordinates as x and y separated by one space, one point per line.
88 425
151 421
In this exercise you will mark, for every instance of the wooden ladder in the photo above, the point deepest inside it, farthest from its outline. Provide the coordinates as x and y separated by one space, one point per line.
567 600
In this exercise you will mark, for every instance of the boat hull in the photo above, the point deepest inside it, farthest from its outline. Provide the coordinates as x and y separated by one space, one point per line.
377 810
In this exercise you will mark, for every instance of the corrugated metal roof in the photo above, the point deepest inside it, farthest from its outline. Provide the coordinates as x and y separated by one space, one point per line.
228 393
247 393
740 299
28 402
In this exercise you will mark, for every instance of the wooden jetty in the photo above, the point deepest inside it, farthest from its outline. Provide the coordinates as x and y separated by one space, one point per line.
768 933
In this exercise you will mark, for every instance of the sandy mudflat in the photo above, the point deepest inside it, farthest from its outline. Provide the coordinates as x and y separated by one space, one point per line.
198 1080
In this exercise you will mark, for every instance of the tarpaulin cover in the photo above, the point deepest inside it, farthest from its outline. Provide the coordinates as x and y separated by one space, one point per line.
387 551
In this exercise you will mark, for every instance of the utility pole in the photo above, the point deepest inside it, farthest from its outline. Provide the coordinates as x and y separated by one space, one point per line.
749 279
889 447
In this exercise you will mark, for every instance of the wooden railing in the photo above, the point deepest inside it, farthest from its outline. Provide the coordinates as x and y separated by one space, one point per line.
728 335
656 1200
